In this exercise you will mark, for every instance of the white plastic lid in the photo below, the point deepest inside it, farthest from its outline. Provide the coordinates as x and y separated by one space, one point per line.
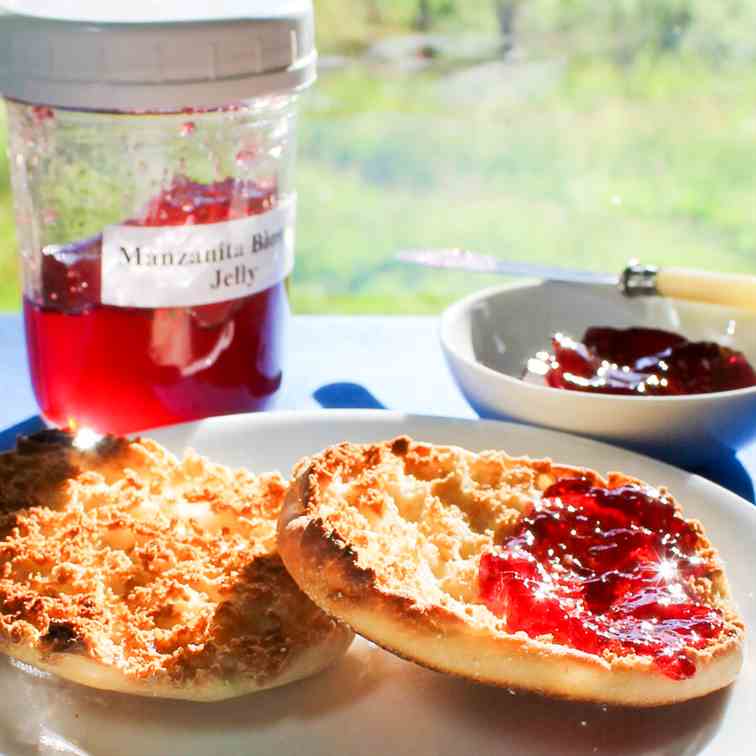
153 54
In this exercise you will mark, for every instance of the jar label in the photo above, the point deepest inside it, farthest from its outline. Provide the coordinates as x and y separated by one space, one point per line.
188 266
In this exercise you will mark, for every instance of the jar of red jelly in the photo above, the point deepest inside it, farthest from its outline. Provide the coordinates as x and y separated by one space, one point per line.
152 153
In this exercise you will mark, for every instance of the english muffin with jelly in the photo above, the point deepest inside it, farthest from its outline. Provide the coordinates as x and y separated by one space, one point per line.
513 571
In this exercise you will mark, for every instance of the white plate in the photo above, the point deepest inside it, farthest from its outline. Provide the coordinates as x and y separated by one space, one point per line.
372 702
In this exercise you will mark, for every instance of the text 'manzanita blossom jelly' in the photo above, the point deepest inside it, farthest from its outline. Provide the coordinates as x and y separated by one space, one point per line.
152 156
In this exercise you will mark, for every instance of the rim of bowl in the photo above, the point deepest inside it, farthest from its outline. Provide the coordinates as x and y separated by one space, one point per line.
453 311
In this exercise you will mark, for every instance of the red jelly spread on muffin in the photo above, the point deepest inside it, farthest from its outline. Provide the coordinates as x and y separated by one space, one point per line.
604 570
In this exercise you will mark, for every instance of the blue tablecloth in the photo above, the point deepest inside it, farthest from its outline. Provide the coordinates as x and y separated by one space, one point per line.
337 362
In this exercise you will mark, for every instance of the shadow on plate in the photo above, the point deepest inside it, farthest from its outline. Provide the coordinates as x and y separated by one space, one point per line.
530 724
368 703
49 715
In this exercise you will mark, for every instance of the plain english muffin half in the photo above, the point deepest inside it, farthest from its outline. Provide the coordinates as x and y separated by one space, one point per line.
390 538
125 568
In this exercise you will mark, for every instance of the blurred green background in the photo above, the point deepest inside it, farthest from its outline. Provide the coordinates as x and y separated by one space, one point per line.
580 132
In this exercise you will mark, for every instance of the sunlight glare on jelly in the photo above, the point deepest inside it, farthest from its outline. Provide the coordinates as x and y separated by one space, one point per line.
86 439
667 570
577 379
537 365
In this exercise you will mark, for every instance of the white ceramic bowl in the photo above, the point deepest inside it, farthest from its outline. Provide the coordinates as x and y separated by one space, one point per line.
488 337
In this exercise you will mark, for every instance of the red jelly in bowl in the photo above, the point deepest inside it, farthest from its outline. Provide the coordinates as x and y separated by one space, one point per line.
604 570
120 369
640 362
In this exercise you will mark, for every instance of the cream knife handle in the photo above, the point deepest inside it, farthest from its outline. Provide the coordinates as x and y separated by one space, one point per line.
730 289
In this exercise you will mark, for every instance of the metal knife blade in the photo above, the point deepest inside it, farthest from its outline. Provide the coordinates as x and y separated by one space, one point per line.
463 259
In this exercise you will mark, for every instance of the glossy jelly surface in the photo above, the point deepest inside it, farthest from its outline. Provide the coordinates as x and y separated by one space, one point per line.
121 369
604 570
640 362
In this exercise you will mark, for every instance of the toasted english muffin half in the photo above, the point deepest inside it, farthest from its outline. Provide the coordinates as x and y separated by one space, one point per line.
389 538
126 569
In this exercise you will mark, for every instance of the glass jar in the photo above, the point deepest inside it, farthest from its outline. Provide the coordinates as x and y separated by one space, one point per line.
156 242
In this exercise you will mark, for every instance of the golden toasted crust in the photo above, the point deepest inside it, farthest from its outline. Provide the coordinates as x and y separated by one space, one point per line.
388 537
124 568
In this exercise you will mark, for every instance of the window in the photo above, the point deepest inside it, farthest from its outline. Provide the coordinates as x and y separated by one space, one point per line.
576 132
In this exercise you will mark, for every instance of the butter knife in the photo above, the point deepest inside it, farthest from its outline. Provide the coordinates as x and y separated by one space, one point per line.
732 289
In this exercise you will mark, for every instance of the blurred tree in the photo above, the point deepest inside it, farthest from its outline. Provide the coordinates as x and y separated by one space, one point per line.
428 12
506 14
424 18
631 26
673 24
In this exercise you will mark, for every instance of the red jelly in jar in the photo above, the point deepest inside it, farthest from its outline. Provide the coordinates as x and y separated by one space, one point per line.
640 362
604 570
153 178
124 368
